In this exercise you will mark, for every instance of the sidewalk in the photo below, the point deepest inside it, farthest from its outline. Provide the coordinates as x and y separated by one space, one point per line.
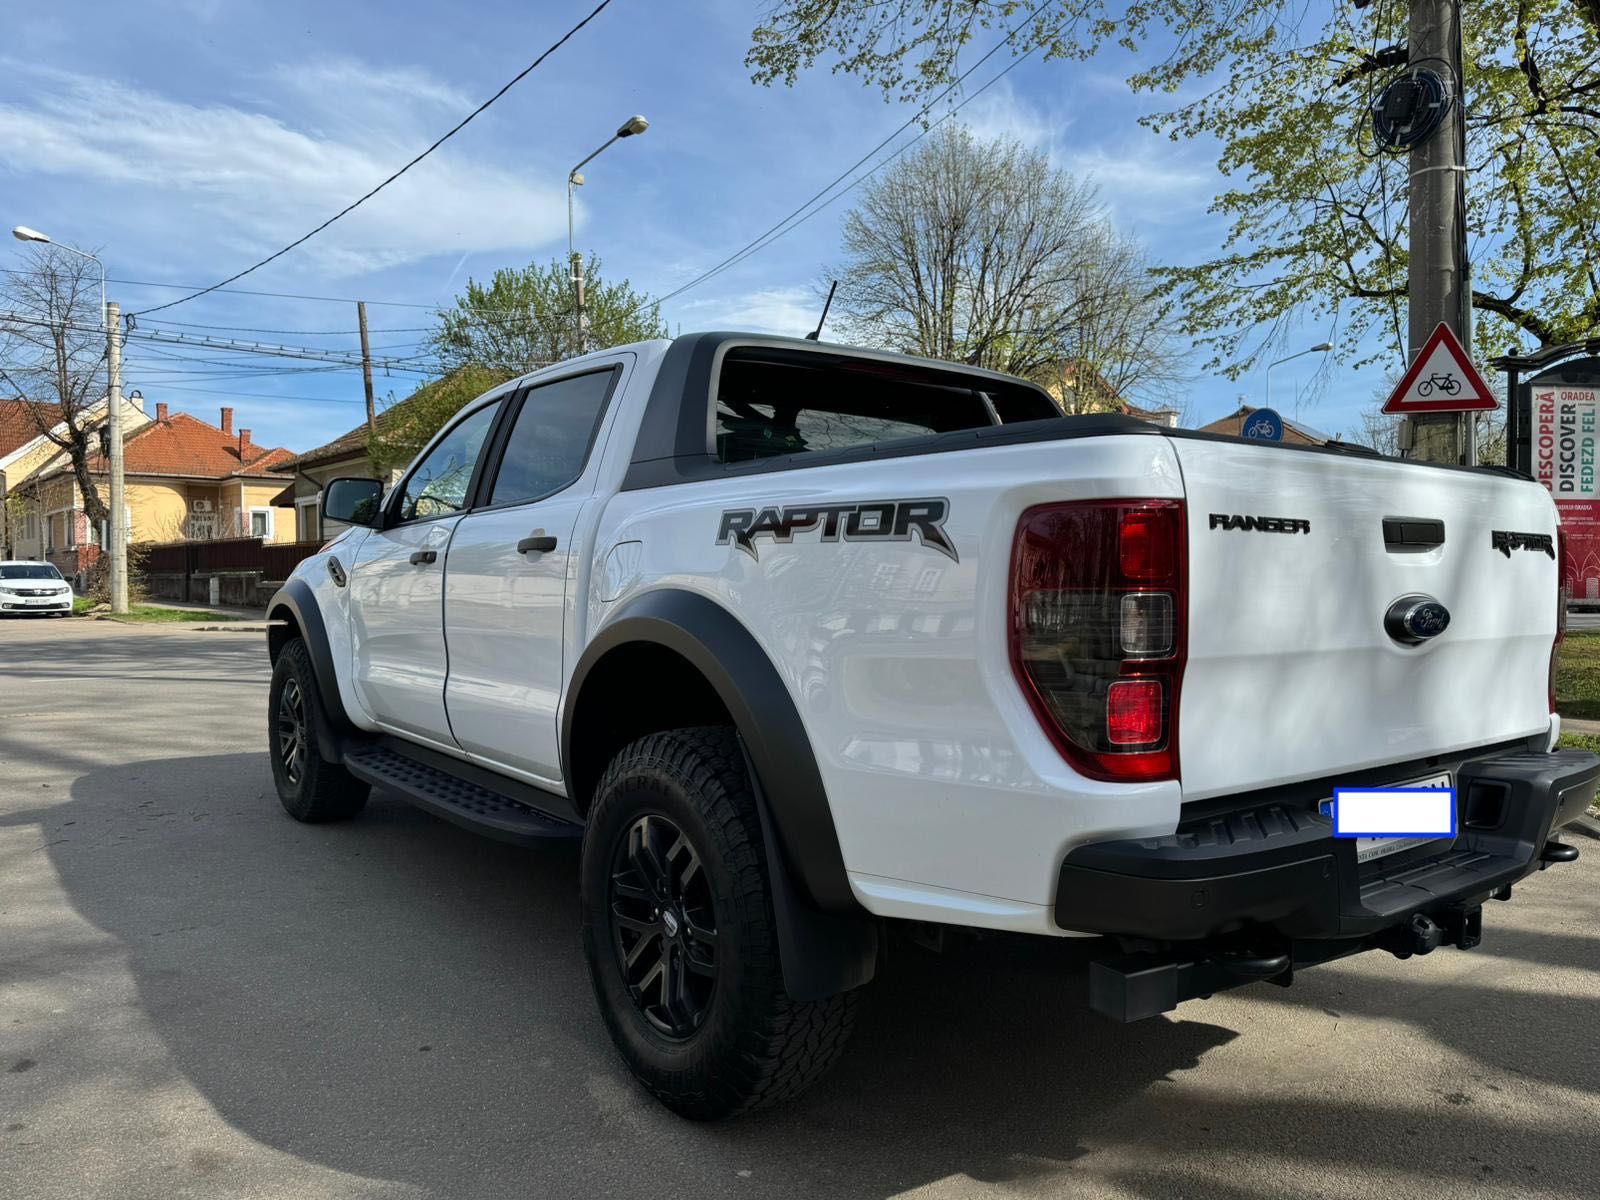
258 615
229 620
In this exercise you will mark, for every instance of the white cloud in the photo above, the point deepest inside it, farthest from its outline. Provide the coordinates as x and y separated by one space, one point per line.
225 181
1001 112
791 311
395 91
1146 181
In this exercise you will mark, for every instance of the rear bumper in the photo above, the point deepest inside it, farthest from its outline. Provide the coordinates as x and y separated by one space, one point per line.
1276 867
1258 893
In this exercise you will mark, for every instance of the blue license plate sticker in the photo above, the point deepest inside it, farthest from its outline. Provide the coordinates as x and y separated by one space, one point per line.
1387 820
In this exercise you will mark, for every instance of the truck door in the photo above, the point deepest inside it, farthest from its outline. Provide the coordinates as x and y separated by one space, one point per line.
512 574
397 586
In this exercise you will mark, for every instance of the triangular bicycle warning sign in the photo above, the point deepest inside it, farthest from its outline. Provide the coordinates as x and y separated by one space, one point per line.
1441 379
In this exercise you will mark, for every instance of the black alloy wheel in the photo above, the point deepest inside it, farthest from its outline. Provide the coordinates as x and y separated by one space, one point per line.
292 730
663 926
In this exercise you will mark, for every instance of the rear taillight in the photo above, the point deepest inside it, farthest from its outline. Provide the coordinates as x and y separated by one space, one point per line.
1098 631
1562 592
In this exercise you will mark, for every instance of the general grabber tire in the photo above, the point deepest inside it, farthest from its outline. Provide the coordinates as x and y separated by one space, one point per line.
312 788
678 929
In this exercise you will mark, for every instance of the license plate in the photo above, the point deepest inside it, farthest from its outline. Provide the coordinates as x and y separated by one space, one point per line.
1369 848
42 600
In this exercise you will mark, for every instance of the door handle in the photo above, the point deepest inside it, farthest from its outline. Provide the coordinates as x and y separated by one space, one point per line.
424 556
538 543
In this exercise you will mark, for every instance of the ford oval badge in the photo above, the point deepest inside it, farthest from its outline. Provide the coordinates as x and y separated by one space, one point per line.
1412 620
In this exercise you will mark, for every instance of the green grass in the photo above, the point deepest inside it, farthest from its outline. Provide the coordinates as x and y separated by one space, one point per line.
1578 676
155 614
81 605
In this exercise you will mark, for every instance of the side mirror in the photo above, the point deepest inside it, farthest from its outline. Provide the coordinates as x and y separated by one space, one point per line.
352 501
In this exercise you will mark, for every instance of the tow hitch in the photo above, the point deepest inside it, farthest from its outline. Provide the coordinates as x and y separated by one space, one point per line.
1149 981
1421 934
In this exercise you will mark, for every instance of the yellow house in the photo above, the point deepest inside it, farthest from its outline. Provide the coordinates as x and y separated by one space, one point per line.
26 455
184 480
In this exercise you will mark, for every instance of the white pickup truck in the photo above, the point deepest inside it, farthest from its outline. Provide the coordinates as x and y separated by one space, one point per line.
801 639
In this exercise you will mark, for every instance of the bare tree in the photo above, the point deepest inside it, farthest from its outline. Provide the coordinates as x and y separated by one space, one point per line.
979 252
52 354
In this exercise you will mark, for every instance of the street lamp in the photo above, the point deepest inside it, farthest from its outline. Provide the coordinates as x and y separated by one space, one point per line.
117 525
633 125
23 234
1319 348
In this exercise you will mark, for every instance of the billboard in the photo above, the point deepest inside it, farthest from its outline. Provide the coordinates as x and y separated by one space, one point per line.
1566 429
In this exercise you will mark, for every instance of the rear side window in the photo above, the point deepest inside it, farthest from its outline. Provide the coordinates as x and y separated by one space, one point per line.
550 441
777 403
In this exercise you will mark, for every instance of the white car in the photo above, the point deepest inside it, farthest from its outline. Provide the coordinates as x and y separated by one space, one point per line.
801 640
33 587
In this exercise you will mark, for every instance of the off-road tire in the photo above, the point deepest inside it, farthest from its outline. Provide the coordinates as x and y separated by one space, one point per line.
755 1045
312 788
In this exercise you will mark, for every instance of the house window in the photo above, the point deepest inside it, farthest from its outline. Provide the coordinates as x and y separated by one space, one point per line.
310 516
261 522
71 520
203 527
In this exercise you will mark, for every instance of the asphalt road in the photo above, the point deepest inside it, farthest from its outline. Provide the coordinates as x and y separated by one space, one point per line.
201 998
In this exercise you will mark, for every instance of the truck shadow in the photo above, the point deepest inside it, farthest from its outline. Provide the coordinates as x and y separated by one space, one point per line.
399 999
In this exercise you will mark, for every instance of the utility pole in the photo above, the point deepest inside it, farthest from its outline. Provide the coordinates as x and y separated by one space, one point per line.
1438 285
117 526
579 307
366 369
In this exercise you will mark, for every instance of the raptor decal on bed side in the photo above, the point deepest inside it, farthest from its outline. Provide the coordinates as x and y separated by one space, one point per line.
868 520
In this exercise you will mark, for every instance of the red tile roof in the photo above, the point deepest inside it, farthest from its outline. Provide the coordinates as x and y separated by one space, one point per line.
189 447
17 426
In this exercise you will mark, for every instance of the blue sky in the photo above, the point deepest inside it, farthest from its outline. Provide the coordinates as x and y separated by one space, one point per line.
187 138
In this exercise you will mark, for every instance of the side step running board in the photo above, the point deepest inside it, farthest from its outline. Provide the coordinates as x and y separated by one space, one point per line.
472 805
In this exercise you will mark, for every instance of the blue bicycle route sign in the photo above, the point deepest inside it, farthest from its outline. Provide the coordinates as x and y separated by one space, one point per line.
1264 425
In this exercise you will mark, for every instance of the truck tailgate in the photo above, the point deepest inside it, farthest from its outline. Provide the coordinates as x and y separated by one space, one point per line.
1291 674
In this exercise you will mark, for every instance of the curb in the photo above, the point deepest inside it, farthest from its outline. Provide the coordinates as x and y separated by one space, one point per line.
191 626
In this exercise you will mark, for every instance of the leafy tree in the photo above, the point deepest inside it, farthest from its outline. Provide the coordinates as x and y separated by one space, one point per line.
1317 215
523 318
979 252
52 355
406 426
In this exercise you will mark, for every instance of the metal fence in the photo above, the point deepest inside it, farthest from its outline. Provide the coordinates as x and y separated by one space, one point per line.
272 560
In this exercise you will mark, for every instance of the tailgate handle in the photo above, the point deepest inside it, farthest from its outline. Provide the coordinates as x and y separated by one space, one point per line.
1412 533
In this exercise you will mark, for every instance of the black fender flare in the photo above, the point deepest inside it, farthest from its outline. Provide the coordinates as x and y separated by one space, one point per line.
296 600
827 941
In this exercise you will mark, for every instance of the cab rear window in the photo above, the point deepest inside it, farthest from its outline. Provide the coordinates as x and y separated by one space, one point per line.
773 403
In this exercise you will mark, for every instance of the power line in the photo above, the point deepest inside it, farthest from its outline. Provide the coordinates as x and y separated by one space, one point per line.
521 311
236 395
516 79
162 321
197 341
784 226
